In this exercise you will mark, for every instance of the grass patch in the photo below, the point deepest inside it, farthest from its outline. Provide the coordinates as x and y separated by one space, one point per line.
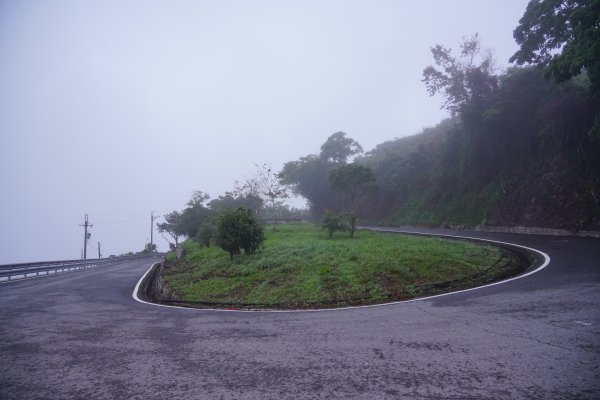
299 267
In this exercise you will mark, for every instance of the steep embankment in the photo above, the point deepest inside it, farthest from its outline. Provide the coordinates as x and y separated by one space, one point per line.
522 157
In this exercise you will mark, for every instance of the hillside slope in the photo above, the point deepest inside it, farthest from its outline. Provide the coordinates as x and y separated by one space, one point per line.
521 157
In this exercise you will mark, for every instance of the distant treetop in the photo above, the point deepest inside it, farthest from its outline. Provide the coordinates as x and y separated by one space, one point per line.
563 36
338 148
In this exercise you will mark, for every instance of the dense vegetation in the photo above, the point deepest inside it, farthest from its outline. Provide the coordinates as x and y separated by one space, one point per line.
521 148
523 156
300 267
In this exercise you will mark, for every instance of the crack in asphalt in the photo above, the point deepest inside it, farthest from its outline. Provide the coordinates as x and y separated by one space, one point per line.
471 325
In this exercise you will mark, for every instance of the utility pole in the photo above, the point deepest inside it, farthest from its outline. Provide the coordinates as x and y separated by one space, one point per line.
86 236
152 217
99 253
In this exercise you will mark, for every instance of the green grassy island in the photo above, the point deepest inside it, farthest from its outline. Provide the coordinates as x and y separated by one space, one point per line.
300 267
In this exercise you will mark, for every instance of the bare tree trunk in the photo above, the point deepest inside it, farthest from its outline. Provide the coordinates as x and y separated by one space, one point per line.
352 223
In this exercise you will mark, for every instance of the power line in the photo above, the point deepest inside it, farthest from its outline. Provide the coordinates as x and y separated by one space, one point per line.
125 221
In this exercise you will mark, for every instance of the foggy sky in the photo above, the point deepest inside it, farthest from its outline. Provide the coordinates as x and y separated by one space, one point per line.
119 108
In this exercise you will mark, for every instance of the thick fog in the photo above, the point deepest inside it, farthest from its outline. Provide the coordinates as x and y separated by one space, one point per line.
120 108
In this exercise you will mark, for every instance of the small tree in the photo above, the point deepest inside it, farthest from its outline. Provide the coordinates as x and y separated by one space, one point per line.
264 186
355 182
249 188
238 230
270 186
333 222
171 226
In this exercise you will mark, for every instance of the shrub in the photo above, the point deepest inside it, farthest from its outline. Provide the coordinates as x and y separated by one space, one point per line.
333 222
205 234
238 230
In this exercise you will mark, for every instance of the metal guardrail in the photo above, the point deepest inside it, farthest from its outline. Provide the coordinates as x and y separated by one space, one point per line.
14 272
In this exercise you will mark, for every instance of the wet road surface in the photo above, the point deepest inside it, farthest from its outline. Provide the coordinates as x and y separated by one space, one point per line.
82 336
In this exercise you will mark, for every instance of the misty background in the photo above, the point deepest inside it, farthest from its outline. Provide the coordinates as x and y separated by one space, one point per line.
120 108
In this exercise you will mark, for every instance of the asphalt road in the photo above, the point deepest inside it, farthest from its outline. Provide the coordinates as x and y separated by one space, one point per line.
82 336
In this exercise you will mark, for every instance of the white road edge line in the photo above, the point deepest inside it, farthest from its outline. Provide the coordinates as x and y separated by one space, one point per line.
541 267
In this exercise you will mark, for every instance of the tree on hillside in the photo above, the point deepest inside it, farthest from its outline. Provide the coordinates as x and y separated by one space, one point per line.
238 230
355 182
337 148
206 232
270 188
308 176
230 200
195 214
463 80
572 26
171 226
249 188
198 199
